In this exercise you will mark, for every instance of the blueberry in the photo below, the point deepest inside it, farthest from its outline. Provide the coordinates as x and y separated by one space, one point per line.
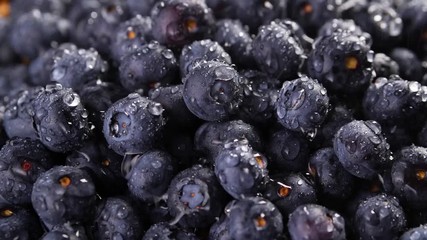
20 7
179 22
97 28
116 218
381 21
235 39
338 25
18 118
409 176
201 50
133 124
287 151
150 175
311 221
171 98
7 55
288 191
97 97
260 93
66 231
394 101
195 198
73 67
338 116
343 69
220 230
34 31
409 65
102 164
277 51
148 65
253 218
212 90
139 7
302 105
241 171
19 223
22 162
332 179
414 16
254 13
380 217
415 233
13 79
63 194
60 119
384 66
130 35
362 149
312 14
210 138
164 231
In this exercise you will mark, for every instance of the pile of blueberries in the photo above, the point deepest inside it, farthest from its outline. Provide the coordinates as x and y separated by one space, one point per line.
213 119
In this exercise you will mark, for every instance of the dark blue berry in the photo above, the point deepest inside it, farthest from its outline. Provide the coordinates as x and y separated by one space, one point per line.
362 148
253 218
380 217
311 221
212 90
148 65
302 105
133 124
241 170
63 194
60 119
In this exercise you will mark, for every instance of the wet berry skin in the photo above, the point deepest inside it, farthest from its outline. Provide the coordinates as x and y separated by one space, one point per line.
342 62
395 101
287 151
380 217
179 22
34 31
195 198
302 105
253 218
201 50
384 66
130 35
150 176
148 65
63 194
410 67
241 171
102 164
311 222
19 223
362 148
22 161
210 137
133 124
236 40
212 91
277 52
288 191
172 100
17 120
165 231
332 180
66 231
116 218
415 233
409 176
73 67
60 119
